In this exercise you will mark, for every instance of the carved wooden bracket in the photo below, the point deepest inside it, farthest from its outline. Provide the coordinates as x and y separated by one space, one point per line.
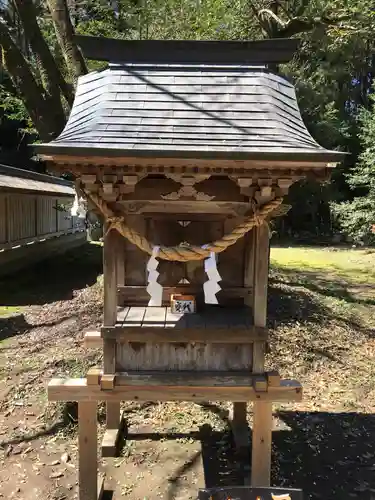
264 194
89 183
129 182
244 184
284 185
187 190
108 185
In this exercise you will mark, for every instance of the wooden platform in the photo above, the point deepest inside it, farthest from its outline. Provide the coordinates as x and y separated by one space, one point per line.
207 317
210 325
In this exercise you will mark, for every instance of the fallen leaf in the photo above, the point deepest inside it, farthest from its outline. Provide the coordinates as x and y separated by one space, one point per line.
56 475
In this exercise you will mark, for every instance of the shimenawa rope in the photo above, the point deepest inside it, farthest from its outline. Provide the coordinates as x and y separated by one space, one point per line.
183 253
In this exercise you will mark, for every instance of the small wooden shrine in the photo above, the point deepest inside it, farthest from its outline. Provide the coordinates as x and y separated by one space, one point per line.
187 148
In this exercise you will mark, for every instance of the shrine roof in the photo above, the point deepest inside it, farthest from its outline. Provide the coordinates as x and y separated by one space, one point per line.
167 105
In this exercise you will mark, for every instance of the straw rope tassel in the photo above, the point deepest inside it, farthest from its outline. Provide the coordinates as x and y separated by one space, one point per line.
184 253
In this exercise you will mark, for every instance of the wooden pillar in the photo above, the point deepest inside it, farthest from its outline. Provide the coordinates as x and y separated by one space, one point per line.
239 411
120 258
88 452
262 411
110 314
262 443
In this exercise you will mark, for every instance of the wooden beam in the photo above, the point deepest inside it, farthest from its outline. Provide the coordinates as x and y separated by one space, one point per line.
273 378
93 376
188 51
260 383
279 167
239 413
110 442
151 389
111 438
261 268
93 339
110 278
137 295
87 443
120 258
110 316
262 411
184 335
262 443
100 486
107 382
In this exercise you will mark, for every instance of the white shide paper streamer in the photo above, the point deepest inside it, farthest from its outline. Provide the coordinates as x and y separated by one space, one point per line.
211 287
154 289
78 208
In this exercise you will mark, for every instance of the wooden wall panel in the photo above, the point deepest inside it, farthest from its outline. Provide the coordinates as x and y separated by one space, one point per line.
136 259
22 217
28 217
47 216
201 232
231 261
188 357
169 233
64 219
3 218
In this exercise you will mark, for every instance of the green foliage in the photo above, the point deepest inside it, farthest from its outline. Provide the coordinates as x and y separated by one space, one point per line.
333 74
357 216
12 108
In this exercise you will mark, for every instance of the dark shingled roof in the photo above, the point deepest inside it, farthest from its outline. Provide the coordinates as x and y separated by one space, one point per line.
200 110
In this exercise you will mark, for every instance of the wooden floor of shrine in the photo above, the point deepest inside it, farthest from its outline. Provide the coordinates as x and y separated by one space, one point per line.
211 324
163 317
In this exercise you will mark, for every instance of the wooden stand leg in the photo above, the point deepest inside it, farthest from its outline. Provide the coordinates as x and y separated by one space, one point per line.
262 442
113 420
262 412
88 453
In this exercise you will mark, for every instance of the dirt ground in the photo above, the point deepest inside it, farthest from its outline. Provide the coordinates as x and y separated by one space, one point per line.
322 333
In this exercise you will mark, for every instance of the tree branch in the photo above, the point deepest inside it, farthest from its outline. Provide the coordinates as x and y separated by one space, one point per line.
28 16
24 81
65 35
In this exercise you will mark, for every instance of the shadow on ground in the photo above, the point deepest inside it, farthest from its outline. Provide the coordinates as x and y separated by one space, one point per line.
293 295
328 455
220 462
329 285
54 279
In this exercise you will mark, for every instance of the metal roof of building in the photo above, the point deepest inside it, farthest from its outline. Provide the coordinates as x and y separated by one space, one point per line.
200 110
17 179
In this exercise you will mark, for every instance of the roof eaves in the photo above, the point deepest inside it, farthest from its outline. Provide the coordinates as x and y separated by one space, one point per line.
319 155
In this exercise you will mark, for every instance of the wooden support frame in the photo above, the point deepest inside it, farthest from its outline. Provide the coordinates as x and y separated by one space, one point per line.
93 339
184 335
239 411
150 388
119 243
262 410
89 486
110 267
175 335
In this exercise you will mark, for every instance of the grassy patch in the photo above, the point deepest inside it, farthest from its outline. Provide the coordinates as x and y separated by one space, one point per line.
6 310
357 266
322 308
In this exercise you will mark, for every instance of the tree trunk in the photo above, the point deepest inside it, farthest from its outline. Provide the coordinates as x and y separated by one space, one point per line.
65 35
47 121
28 16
